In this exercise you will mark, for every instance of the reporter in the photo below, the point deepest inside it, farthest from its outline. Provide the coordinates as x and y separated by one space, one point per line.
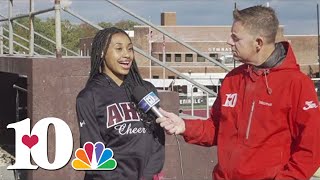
266 120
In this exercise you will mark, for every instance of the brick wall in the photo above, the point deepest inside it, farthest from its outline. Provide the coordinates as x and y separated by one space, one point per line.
53 85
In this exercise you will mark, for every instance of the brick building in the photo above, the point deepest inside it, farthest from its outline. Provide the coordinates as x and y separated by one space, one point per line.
210 40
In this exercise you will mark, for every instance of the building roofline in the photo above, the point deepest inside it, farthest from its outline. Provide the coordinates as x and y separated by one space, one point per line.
220 26
300 35
191 41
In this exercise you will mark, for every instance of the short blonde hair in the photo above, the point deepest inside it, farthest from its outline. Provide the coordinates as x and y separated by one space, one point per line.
259 20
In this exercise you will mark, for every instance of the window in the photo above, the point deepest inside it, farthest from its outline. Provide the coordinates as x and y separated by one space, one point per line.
227 59
214 56
171 77
155 56
189 57
155 77
177 58
200 58
168 57
183 89
160 57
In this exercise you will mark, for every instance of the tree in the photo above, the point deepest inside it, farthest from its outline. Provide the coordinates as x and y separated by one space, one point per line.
105 24
126 24
70 33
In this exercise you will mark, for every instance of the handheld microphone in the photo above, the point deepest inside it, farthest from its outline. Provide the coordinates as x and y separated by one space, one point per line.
146 100
149 100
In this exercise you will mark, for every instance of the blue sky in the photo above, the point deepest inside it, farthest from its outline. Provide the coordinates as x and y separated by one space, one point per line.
298 16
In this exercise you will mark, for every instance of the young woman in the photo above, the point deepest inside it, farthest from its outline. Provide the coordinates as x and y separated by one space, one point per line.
107 113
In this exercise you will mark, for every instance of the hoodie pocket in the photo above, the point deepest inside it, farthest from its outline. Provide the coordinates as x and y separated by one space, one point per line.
266 123
260 162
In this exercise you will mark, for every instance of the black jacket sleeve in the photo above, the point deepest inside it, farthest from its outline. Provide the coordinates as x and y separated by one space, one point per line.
88 125
89 129
156 161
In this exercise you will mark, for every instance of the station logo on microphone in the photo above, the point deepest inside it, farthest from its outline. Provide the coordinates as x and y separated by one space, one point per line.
148 101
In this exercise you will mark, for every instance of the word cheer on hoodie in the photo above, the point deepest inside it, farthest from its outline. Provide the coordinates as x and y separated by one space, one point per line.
106 114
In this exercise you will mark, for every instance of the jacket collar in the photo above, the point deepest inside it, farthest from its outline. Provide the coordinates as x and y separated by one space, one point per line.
275 59
282 58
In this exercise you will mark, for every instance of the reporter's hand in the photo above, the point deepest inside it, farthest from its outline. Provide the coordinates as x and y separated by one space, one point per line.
171 123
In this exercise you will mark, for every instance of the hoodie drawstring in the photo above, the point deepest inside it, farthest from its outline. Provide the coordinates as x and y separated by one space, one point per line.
269 90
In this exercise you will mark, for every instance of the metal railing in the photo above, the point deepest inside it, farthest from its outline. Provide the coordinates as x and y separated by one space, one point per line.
169 35
20 45
31 15
42 36
26 40
57 8
192 103
138 50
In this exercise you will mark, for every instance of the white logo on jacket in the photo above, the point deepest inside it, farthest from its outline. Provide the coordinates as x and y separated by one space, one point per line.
82 123
265 103
231 100
310 105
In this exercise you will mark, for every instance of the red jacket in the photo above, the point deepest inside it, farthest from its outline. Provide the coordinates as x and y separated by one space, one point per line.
265 122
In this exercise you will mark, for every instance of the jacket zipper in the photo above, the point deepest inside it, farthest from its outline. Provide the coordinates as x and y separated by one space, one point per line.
250 119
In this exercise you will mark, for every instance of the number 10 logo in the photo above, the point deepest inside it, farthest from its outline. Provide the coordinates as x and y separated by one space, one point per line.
35 143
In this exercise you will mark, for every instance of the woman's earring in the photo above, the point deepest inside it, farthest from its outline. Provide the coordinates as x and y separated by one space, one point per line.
102 55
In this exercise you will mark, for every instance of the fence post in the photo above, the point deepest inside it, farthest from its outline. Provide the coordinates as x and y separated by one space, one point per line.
31 29
1 40
10 6
57 8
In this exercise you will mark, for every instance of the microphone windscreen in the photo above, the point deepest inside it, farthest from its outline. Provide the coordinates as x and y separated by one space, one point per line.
145 100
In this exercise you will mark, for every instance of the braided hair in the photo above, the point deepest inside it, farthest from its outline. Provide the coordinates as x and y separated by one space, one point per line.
100 45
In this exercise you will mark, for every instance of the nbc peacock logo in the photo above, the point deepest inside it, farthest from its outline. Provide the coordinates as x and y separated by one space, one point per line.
94 157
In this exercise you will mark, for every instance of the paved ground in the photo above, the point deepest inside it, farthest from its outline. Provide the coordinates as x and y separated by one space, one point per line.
6 174
5 161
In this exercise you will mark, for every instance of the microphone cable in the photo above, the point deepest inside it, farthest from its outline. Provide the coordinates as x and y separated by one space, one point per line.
180 156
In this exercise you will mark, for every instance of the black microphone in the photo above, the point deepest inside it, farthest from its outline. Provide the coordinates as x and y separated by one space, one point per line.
146 100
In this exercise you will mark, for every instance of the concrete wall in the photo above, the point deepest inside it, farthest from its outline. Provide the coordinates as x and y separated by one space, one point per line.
53 85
